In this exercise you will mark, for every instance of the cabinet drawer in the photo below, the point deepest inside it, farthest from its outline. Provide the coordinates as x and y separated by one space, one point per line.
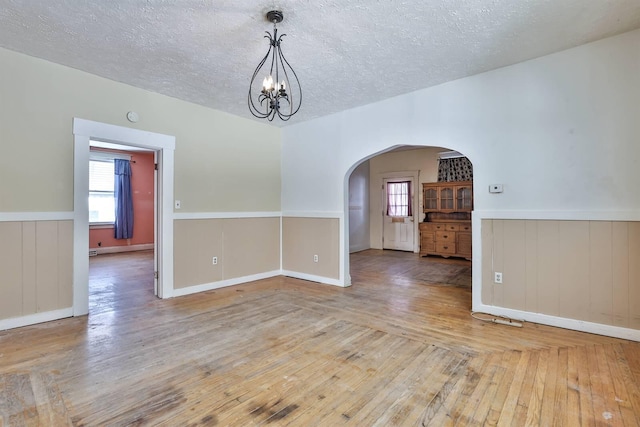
446 247
432 226
445 236
464 227
451 227
426 236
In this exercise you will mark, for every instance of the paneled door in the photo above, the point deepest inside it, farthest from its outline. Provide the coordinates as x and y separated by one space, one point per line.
398 231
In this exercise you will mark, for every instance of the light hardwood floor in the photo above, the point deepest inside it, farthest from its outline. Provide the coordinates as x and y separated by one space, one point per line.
397 348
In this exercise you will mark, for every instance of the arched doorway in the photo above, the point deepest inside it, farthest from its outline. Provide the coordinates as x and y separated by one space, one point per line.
419 161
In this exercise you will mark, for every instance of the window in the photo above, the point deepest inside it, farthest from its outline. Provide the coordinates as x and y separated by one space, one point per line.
399 198
101 199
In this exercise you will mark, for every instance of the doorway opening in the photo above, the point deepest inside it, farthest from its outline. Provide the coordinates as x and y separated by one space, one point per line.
163 146
122 264
398 200
407 170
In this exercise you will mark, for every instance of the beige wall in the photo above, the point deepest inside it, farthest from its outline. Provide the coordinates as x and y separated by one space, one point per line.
244 247
302 238
223 163
424 160
584 270
36 267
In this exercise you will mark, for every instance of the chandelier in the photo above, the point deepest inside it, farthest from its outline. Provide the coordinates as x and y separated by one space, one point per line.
280 94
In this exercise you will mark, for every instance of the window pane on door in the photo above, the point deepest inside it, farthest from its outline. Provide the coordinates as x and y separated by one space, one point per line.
399 198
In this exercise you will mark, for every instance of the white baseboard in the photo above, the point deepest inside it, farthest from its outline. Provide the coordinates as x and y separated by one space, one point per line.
359 248
32 319
224 215
223 283
561 322
35 216
314 278
116 249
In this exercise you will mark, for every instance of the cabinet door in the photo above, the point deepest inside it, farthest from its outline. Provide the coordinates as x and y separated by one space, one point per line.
464 244
464 198
446 198
430 199
427 242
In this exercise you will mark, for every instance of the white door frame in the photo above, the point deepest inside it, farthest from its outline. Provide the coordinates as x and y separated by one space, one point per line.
415 182
164 145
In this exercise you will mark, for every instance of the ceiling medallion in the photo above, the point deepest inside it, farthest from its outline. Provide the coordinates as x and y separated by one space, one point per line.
281 93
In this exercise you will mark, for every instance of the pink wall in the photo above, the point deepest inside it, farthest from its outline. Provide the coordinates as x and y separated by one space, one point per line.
142 172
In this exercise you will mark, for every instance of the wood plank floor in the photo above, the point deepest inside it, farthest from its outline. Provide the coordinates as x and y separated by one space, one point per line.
397 348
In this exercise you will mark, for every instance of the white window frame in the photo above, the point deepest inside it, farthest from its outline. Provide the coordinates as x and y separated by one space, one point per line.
107 157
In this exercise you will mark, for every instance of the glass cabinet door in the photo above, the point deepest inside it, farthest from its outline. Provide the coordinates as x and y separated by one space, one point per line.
464 199
430 199
446 198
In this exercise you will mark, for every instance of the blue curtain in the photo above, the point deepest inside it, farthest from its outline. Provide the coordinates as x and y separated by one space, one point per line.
124 202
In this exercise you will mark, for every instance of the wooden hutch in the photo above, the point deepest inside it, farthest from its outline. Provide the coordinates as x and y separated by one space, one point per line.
446 230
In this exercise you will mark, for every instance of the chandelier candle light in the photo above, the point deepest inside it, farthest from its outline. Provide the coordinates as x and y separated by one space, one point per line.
281 93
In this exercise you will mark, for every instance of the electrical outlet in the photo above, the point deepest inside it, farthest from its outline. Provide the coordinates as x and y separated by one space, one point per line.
315 258
497 277
214 260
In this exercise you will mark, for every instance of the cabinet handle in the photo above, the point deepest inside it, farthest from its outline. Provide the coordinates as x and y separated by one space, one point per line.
445 236
446 247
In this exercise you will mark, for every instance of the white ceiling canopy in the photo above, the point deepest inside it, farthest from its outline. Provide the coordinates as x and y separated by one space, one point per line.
346 53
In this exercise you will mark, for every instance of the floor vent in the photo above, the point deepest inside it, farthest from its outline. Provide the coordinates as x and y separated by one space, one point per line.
93 252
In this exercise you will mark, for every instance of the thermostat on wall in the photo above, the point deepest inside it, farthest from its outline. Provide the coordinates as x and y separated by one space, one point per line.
495 188
132 116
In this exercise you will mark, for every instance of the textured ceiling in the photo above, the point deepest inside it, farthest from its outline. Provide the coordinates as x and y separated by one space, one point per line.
346 53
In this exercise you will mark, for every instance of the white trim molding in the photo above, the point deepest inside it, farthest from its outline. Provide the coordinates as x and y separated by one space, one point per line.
561 322
35 216
119 249
164 145
313 214
107 156
32 319
225 215
314 278
561 215
223 283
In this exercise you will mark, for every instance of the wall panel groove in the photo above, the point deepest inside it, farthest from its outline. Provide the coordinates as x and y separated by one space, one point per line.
37 267
580 270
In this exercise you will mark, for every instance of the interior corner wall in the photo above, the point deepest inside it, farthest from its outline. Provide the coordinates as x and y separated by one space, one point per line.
359 215
309 248
559 132
224 164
